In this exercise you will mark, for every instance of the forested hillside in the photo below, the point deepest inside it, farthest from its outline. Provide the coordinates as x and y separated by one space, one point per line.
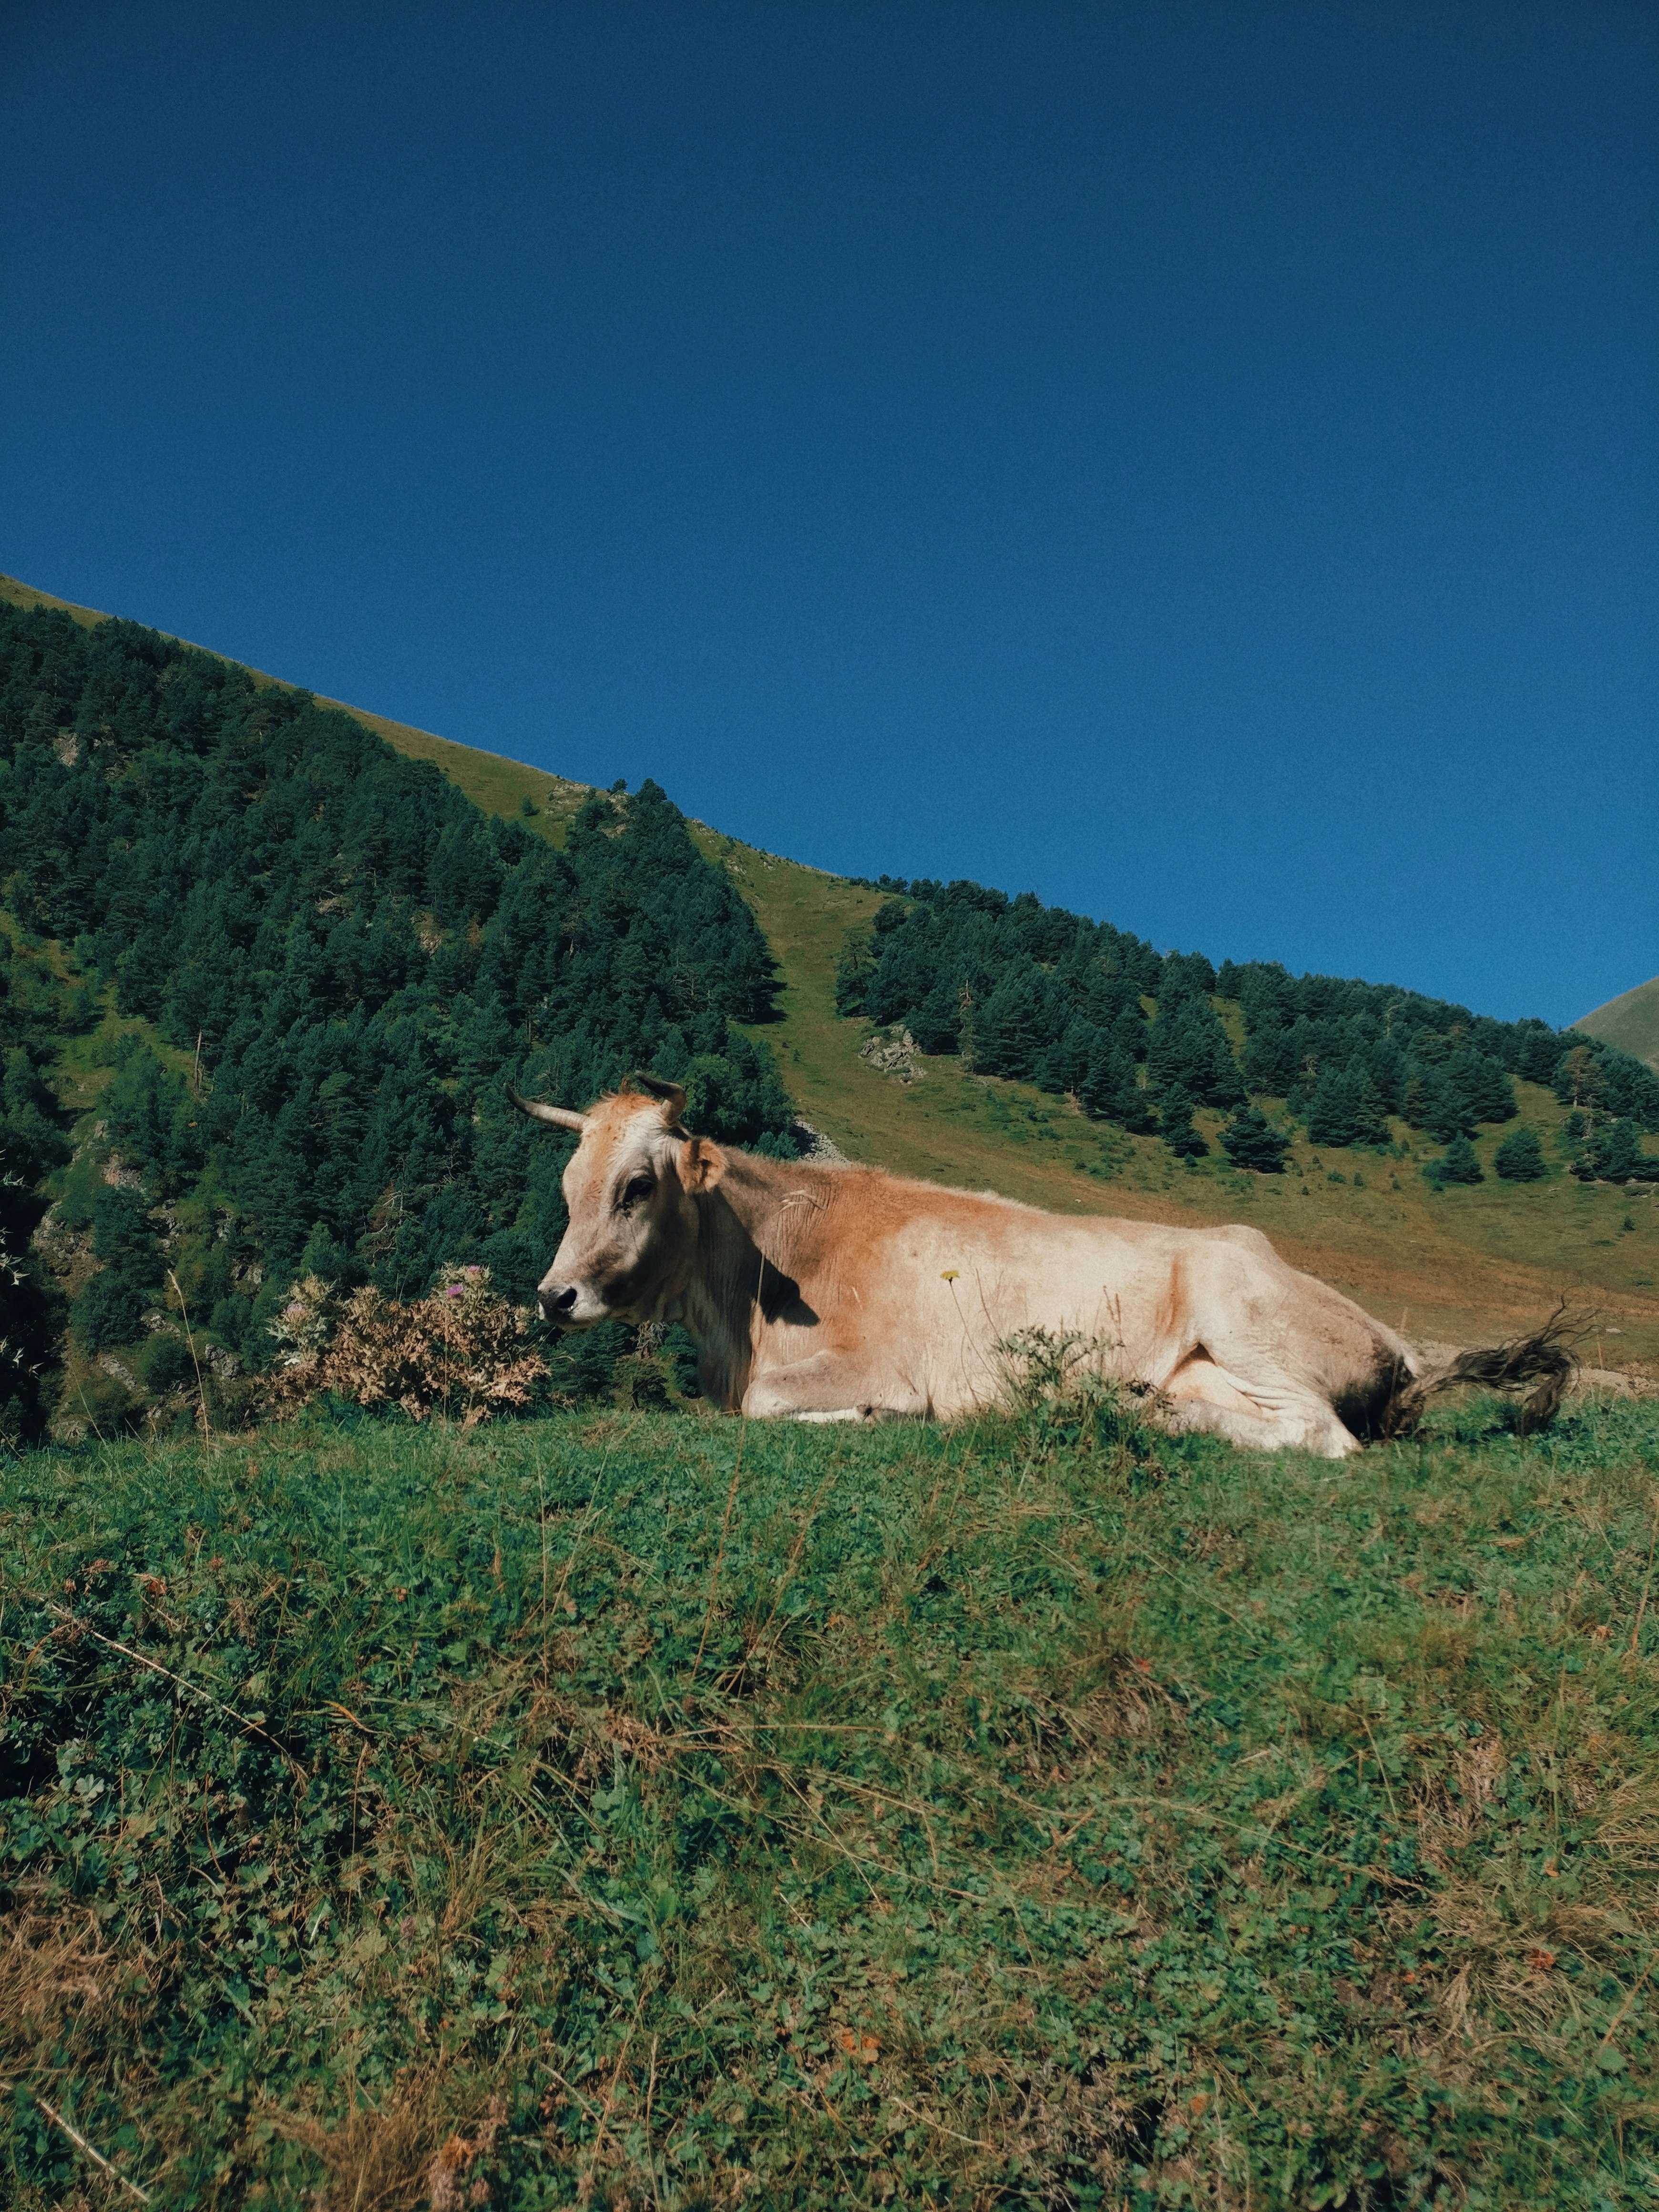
1072 1005
265 982
292 974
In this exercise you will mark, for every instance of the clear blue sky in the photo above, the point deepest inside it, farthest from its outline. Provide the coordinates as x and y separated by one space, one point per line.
1195 460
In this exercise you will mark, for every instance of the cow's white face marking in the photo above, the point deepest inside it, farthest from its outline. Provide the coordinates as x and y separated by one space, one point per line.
632 1240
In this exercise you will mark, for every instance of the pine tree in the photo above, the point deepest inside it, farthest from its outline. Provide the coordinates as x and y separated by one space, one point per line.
853 971
1012 1025
1333 1109
1615 1154
1188 1045
1063 1065
1370 1118
1111 1090
1176 1124
1461 1164
1250 1140
1433 1104
1520 1157
108 1310
1271 1061
1481 1086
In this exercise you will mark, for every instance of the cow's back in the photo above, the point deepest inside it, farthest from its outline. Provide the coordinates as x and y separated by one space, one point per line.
921 1285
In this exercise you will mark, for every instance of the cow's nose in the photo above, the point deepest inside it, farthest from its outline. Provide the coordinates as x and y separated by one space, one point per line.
555 1302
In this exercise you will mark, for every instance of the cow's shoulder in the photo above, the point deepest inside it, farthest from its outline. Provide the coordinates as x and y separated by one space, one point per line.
1248 1239
903 1196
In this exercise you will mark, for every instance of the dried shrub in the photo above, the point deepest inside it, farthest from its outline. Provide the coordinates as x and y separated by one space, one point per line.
398 2155
461 1350
58 1976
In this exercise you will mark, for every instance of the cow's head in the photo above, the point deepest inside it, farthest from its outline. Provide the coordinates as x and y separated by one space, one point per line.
631 1189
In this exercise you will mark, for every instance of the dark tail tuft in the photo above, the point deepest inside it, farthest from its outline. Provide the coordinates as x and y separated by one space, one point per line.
1545 1358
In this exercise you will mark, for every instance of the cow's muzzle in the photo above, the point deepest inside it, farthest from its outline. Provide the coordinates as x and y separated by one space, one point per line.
559 1304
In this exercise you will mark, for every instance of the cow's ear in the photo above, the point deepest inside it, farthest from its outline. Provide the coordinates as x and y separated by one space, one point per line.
701 1164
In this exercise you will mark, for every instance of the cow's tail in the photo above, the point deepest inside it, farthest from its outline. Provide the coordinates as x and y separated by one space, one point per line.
1546 1359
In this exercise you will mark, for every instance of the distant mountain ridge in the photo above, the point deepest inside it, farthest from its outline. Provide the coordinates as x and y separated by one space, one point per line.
1628 1023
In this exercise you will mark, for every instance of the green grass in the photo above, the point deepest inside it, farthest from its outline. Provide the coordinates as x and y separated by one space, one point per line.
640 1809
1630 1021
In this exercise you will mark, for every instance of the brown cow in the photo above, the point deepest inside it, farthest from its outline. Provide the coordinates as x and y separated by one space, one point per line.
839 1292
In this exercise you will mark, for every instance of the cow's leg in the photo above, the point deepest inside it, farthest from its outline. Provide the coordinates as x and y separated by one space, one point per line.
830 1387
1265 1413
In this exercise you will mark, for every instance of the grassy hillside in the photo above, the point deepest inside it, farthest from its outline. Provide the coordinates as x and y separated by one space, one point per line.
631 1807
1457 1265
644 1810
1630 1021
1449 1266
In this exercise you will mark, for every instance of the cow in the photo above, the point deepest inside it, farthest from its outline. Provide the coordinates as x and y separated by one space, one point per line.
836 1292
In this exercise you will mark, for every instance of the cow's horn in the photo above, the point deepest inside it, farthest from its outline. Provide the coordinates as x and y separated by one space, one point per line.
673 1095
560 1117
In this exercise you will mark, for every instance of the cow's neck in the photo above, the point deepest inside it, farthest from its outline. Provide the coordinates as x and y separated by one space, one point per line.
744 1256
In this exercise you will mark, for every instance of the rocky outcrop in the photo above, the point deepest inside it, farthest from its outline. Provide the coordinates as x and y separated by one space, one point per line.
815 1146
894 1052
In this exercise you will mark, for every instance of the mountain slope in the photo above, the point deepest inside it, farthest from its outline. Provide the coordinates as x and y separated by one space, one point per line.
1455 1263
265 985
1631 1021
496 785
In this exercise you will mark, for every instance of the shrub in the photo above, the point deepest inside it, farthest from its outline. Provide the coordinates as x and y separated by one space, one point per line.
1061 1386
459 1350
165 1364
1461 1164
103 1403
109 1311
642 1380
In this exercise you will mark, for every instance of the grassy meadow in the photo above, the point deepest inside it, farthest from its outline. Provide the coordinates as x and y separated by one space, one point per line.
1630 1021
643 1808
1453 1266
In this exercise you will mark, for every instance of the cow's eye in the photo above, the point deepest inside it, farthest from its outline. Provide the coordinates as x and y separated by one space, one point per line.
638 1190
